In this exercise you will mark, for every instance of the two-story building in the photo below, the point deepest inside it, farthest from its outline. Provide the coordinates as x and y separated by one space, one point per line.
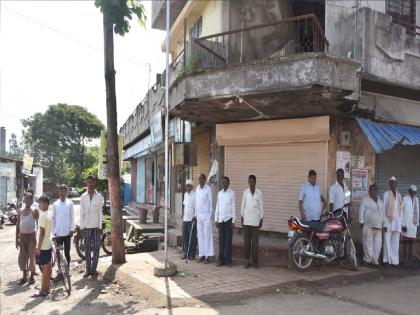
276 88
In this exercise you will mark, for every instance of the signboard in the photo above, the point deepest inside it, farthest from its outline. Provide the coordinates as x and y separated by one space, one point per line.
103 158
156 128
27 164
5 169
140 147
343 161
359 183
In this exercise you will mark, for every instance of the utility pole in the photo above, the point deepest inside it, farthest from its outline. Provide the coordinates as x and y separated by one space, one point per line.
114 185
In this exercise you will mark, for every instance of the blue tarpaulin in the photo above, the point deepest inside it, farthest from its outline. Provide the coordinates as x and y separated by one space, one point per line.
384 136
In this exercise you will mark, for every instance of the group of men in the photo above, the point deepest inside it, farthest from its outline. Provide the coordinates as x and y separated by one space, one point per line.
198 208
394 219
37 224
311 201
389 222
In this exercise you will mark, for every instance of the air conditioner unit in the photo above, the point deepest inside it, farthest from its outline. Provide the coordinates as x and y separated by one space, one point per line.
184 153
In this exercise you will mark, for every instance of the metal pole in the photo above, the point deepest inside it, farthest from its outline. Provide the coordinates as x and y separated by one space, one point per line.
167 130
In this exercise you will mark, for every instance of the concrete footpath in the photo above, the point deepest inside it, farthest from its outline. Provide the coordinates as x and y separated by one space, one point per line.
199 283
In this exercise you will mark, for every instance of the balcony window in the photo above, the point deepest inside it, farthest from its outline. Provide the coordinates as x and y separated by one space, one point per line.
403 12
197 29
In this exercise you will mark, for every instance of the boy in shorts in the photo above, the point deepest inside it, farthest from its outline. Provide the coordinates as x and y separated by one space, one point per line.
44 248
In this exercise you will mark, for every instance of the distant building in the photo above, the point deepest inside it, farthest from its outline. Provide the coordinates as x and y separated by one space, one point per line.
13 182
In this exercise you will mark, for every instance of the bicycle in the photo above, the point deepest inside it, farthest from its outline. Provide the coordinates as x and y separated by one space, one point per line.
63 273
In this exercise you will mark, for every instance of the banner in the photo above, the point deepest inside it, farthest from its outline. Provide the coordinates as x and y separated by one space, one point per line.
359 183
27 164
103 159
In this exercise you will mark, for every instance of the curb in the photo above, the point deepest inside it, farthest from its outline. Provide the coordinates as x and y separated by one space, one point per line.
154 298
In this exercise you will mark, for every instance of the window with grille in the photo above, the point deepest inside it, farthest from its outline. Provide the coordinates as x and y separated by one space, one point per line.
403 12
197 29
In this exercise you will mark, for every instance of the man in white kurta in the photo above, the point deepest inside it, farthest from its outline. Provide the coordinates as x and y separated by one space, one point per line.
393 213
371 217
337 192
203 208
410 223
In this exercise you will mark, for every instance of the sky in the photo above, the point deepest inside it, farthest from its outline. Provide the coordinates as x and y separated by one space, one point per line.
52 52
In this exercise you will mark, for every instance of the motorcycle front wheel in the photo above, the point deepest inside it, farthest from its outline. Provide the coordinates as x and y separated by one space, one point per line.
299 244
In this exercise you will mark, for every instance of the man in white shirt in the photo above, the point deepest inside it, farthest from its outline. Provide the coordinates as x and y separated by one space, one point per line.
225 220
252 213
371 217
63 221
189 228
310 199
91 203
410 223
203 208
393 213
337 192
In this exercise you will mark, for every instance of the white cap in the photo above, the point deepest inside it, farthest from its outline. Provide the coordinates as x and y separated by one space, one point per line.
413 187
189 182
392 179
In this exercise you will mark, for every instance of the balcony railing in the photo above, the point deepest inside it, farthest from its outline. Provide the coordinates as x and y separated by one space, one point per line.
295 35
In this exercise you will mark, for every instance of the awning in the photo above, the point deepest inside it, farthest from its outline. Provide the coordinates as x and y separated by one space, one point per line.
384 136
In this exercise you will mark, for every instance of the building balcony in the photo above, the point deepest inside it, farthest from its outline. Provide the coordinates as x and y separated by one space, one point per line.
269 71
387 48
159 12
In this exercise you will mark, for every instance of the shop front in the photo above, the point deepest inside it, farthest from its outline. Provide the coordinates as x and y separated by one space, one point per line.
397 150
279 153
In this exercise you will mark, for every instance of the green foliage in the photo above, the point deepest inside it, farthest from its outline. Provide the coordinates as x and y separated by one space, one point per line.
101 184
16 148
193 63
107 221
57 139
120 12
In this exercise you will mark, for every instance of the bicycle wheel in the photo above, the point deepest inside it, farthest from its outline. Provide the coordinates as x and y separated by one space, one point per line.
64 270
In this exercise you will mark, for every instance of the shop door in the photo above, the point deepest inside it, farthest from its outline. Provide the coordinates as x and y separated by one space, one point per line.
280 170
403 162
141 180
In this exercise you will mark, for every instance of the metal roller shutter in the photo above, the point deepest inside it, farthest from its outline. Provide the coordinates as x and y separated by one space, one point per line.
403 162
280 170
202 138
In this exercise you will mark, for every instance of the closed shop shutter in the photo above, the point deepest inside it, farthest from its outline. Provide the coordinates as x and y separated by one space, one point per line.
202 138
403 162
280 170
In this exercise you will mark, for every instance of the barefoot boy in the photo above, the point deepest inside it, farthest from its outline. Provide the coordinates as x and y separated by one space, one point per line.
44 248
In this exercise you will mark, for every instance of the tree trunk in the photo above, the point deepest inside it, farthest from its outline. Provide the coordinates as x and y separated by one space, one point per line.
118 248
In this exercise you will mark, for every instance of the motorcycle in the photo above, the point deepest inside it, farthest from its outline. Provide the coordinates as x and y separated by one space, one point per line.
79 241
327 240
2 219
11 212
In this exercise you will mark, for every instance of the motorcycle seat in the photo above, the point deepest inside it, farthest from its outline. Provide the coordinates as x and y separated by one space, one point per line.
315 226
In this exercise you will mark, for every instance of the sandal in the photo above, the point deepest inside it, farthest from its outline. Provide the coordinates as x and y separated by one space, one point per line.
31 280
21 281
41 293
